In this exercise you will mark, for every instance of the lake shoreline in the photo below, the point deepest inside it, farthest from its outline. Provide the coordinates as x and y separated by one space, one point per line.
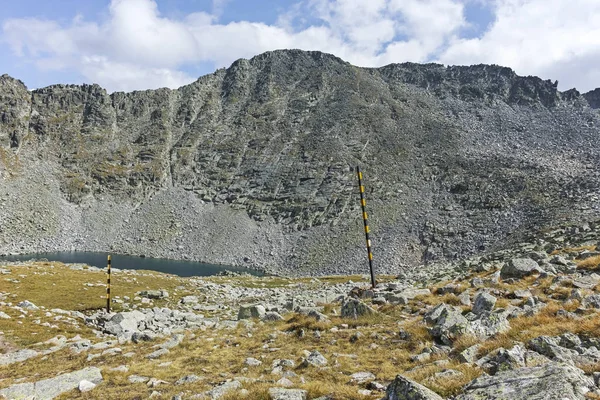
182 268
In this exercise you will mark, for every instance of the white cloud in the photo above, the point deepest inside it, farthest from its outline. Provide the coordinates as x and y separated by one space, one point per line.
556 39
138 48
128 77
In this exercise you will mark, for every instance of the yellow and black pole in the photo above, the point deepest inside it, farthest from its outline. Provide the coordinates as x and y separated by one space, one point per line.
363 204
108 286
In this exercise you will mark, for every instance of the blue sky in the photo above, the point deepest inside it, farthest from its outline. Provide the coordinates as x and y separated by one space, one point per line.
143 44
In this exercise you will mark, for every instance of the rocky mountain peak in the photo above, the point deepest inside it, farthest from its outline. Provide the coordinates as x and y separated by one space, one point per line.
456 159
593 98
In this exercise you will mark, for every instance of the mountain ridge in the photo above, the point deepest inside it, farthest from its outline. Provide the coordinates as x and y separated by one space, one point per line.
455 158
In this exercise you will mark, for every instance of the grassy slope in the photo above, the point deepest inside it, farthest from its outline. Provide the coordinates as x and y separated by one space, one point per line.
219 355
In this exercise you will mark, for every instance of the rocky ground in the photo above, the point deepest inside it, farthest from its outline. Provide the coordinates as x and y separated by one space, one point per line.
522 323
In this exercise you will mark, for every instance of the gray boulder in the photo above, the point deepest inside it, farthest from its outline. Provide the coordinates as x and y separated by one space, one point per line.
53 387
252 362
591 301
154 294
546 382
86 386
464 298
411 294
432 316
549 347
483 302
354 308
219 391
514 358
28 305
519 268
315 359
287 394
406 389
318 316
124 324
188 379
450 325
362 377
272 316
489 323
17 356
469 355
248 311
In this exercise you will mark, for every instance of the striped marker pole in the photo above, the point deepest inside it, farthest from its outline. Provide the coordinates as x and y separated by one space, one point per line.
363 204
108 286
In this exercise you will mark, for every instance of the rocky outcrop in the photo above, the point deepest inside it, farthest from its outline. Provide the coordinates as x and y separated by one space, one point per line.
519 267
353 308
593 98
253 165
550 381
403 388
54 387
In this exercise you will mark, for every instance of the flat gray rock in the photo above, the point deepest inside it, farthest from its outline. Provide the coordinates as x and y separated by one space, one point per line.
450 325
53 387
403 388
353 308
547 382
315 359
17 356
519 268
124 324
287 394
251 311
219 391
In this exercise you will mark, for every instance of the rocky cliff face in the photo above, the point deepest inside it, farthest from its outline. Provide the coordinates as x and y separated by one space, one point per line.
253 165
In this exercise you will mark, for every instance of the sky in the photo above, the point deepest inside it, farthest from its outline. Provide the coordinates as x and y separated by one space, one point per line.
126 45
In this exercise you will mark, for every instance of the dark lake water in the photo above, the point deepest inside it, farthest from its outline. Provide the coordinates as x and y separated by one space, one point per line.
181 268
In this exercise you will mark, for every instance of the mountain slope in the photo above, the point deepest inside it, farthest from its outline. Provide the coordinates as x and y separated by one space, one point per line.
253 165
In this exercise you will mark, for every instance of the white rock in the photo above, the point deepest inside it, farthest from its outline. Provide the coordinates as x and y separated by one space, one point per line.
86 386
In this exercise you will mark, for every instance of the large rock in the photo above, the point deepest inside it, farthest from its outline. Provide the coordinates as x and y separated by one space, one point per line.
519 268
154 294
315 359
403 388
124 324
450 325
27 305
489 324
550 347
219 391
483 302
17 356
287 394
53 387
546 382
432 316
248 311
514 358
354 308
591 301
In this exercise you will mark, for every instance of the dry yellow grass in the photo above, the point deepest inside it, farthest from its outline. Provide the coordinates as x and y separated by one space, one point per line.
523 329
446 386
215 355
589 263
573 250
218 355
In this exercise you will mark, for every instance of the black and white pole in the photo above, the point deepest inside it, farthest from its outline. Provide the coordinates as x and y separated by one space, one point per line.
108 286
363 204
